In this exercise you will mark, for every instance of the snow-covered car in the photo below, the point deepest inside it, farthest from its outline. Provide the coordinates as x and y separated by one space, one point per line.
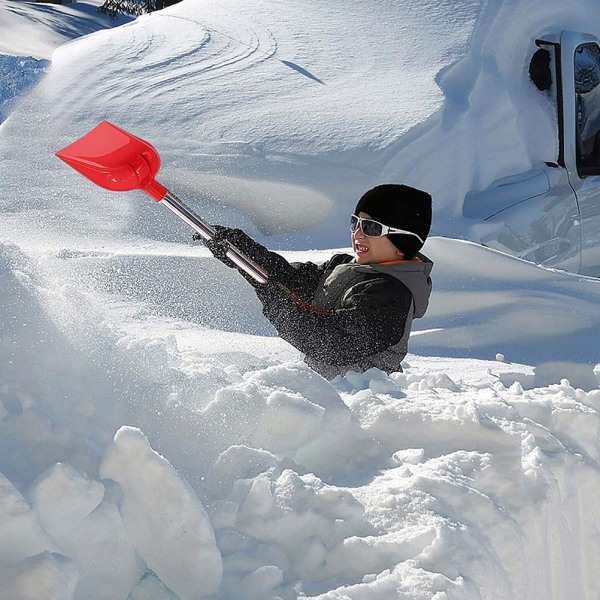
551 214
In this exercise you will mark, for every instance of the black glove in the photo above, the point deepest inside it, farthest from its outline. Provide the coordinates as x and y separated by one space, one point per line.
218 245
274 264
224 237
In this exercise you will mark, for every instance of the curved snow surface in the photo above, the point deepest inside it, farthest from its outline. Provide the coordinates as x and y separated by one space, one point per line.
37 31
298 108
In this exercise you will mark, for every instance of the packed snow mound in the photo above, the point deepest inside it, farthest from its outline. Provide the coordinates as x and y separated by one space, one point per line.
264 481
235 83
262 111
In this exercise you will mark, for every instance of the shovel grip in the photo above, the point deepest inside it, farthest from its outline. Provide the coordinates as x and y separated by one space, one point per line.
207 232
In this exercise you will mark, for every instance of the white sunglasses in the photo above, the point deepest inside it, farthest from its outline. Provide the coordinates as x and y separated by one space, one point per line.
372 228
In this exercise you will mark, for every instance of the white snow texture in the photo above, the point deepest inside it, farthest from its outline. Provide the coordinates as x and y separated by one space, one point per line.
157 440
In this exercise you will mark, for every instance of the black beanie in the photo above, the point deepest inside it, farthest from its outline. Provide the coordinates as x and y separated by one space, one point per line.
399 206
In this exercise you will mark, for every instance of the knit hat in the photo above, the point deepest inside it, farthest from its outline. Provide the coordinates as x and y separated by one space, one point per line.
399 206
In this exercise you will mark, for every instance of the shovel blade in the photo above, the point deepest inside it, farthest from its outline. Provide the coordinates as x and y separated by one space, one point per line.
115 160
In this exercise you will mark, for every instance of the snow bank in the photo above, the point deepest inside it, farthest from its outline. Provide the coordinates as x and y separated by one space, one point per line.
458 477
449 110
238 82
487 303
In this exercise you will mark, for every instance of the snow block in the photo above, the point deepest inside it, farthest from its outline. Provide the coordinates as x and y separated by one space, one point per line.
21 534
163 517
45 576
88 530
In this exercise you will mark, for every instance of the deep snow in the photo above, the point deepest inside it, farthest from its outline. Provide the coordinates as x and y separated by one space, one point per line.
158 442
31 34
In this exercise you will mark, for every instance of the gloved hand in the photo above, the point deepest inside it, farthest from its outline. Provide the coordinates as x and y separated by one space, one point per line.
226 236
274 264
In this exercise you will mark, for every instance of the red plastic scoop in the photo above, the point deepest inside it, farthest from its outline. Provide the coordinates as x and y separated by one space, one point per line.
116 160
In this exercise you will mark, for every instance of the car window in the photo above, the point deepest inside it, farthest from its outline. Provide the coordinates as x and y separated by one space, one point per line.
587 106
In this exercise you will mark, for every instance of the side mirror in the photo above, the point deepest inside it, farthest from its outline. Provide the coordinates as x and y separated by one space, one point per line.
540 72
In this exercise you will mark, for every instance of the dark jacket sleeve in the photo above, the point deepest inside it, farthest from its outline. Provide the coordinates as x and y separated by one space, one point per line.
301 278
371 318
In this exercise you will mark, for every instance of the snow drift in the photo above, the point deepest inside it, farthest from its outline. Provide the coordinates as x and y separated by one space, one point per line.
456 476
158 442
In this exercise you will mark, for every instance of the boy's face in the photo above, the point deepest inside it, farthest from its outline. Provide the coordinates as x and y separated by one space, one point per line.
371 250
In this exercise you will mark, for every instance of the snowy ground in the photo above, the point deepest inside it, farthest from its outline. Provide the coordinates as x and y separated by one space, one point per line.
157 441
30 34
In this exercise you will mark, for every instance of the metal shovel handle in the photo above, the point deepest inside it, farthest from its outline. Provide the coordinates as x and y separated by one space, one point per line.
207 232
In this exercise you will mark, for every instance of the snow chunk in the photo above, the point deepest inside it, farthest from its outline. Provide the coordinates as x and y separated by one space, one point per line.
289 422
45 576
338 443
291 412
301 515
21 534
238 462
163 516
62 495
89 531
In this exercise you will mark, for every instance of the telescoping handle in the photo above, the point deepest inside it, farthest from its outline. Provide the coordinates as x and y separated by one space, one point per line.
207 232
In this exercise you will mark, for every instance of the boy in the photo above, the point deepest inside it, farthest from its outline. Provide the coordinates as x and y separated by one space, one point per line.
351 312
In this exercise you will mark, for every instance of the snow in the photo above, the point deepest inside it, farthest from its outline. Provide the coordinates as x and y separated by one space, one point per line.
37 31
157 440
30 36
173 536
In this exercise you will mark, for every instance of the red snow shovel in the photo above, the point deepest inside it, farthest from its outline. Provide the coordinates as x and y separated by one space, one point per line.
119 161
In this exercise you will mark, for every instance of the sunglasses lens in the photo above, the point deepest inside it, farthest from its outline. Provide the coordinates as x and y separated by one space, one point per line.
367 226
371 228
